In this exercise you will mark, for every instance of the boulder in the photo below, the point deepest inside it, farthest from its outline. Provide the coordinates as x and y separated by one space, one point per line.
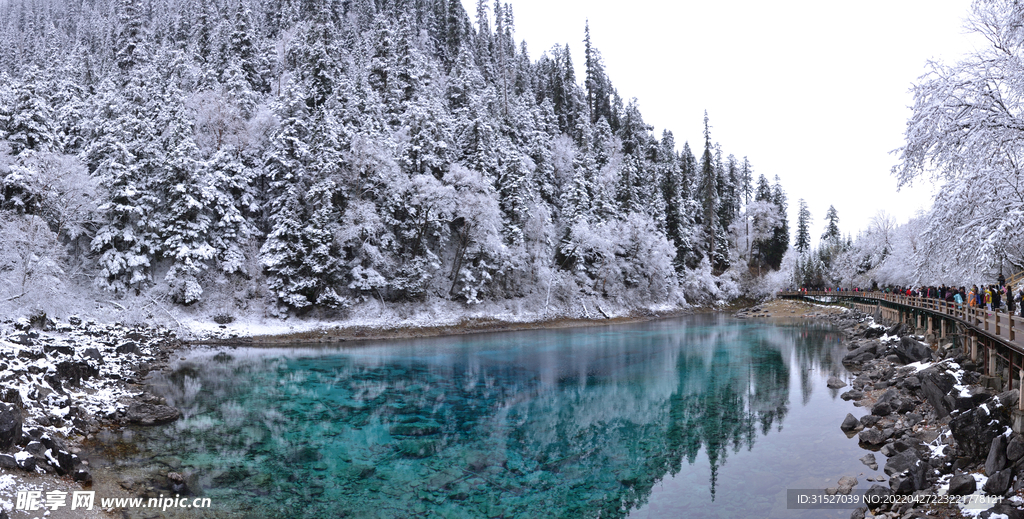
869 420
1015 448
996 459
151 414
846 484
869 460
876 496
975 395
901 462
83 476
862 354
874 332
1002 511
975 429
73 372
850 424
20 338
11 396
962 484
901 484
8 462
66 462
936 383
918 474
905 406
10 426
896 330
128 347
881 409
886 403
835 382
872 437
910 350
93 353
26 461
62 349
852 395
998 483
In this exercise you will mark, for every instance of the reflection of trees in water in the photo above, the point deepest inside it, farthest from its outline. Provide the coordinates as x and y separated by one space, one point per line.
583 429
740 392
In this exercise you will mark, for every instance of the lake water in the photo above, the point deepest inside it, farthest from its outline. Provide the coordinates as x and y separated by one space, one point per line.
702 416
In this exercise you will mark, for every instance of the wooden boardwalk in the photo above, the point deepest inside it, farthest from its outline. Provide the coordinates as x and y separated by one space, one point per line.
988 337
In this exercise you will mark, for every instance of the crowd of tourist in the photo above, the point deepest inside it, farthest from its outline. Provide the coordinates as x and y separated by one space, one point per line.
999 296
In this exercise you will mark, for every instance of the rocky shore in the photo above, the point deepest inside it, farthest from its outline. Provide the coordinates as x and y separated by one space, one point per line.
940 432
62 384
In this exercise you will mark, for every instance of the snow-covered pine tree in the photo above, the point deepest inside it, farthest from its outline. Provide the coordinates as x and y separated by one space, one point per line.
803 231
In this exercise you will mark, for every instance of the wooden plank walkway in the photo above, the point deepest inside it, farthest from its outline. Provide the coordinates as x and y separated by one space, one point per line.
1002 349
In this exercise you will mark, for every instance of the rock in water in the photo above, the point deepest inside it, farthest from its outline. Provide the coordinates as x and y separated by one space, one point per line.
151 414
835 382
872 437
846 484
10 426
869 460
852 395
850 424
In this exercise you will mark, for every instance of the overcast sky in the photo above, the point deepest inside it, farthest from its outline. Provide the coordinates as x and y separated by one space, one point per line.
814 92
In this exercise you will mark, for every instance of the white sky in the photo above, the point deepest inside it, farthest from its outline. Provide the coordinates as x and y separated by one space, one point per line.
815 92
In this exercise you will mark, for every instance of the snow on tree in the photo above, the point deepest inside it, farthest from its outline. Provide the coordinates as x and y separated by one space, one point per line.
391 152
966 133
831 233
803 232
29 120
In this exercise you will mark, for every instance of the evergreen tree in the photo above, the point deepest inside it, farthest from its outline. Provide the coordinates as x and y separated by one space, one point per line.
803 234
713 232
131 35
780 234
30 123
831 233
401 154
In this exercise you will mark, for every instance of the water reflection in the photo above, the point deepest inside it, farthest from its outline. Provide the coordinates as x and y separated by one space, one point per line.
572 423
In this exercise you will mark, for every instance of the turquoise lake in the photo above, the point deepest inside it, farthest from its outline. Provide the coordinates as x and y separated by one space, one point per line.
701 416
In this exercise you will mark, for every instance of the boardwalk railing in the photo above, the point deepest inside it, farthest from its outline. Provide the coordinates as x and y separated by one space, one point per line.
994 331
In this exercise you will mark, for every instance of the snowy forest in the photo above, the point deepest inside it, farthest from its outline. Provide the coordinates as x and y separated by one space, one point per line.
289 156
966 135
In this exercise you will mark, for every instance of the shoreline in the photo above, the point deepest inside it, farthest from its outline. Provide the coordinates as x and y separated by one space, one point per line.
466 326
942 434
